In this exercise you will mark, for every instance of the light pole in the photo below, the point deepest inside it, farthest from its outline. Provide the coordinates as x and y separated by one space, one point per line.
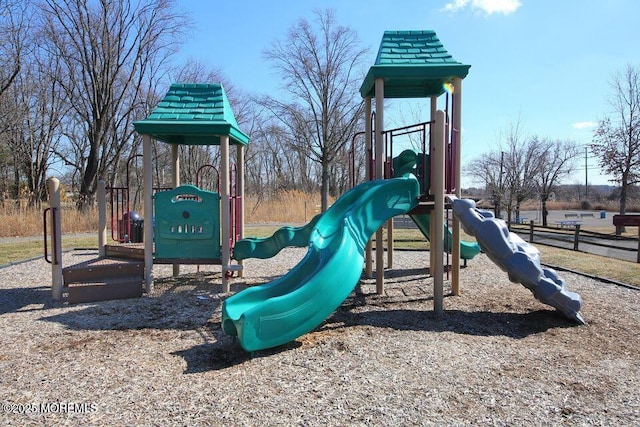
586 174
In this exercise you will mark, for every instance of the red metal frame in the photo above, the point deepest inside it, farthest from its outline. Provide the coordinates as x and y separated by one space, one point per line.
120 203
234 205
207 166
390 134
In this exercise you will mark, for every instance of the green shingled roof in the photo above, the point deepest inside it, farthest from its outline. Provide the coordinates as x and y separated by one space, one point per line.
414 64
193 114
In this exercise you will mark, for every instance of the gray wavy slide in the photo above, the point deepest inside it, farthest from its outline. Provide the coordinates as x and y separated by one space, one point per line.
518 258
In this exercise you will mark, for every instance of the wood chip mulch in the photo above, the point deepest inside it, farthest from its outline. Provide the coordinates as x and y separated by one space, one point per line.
496 357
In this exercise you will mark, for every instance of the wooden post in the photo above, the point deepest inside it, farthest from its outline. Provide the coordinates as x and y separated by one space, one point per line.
225 214
240 187
437 247
455 238
147 171
53 185
576 237
368 262
379 87
432 117
531 231
102 218
638 253
175 181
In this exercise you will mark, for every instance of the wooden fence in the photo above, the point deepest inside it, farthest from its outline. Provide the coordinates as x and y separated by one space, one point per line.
571 236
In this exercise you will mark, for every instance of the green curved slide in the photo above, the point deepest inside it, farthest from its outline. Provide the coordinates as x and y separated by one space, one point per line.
263 248
278 312
468 250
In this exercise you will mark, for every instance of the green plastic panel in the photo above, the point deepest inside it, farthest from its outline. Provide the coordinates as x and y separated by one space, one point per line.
263 248
275 313
193 114
468 250
413 64
187 223
418 164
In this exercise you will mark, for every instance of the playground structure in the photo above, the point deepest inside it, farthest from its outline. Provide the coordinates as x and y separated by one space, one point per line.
422 185
409 64
184 224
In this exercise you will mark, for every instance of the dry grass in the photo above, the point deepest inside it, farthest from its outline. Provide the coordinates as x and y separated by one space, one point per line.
284 207
25 221
619 270
289 207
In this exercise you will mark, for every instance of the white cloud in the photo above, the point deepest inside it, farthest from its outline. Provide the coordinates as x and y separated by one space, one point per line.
584 125
489 7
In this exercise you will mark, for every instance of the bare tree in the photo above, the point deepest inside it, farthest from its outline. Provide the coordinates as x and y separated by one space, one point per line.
556 160
320 70
489 168
509 173
521 163
37 100
14 47
111 52
242 105
616 141
14 40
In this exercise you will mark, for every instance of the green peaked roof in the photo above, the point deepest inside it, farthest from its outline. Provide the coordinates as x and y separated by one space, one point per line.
193 114
414 64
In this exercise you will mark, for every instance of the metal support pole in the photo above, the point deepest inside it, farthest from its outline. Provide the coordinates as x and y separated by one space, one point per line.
390 243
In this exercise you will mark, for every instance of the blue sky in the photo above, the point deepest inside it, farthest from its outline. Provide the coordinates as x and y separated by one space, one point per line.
544 63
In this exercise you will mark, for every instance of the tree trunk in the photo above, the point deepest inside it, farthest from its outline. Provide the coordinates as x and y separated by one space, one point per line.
545 212
496 206
89 178
324 187
623 203
16 184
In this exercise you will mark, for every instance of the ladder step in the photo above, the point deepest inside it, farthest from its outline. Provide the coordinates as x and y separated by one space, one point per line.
129 251
100 269
110 289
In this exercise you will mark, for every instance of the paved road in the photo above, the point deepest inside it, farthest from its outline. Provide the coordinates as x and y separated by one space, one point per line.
551 239
600 219
585 218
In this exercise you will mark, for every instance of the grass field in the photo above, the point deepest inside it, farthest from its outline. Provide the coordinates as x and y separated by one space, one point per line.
622 271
